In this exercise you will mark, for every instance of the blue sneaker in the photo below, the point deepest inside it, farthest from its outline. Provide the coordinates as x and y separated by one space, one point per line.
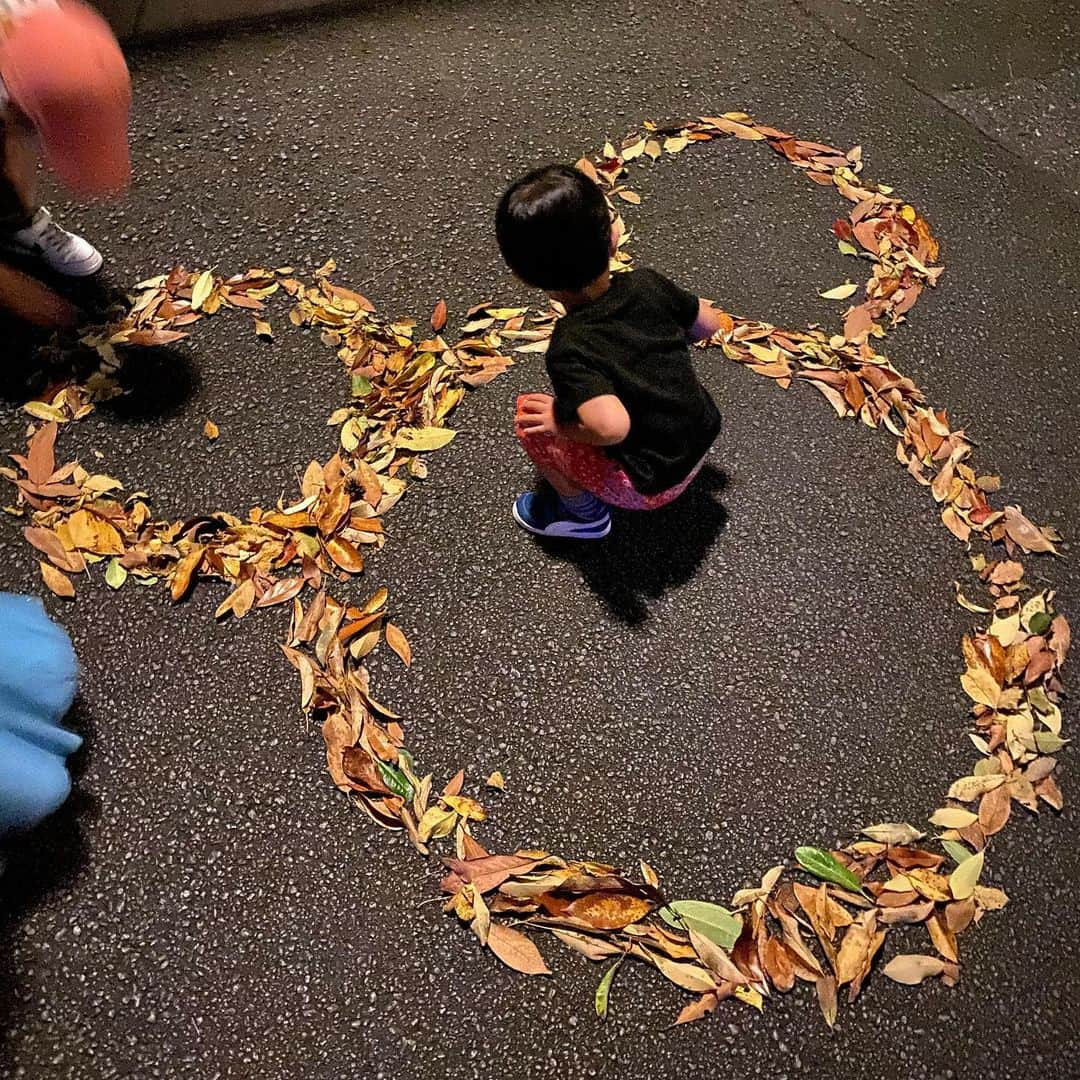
543 513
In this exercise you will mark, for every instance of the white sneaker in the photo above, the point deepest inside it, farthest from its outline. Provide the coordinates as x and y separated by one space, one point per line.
59 249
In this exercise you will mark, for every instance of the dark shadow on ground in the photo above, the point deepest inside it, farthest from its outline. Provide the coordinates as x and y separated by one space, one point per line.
155 381
40 863
649 553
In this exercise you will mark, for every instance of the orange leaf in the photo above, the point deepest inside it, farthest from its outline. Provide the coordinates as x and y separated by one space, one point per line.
399 643
515 950
59 583
438 316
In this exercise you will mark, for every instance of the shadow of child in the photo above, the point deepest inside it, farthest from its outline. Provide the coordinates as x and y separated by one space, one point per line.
649 552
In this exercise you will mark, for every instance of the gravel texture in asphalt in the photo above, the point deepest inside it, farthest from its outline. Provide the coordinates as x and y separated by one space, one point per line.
772 661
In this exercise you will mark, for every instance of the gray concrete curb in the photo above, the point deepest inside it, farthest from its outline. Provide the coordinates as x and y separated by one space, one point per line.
152 18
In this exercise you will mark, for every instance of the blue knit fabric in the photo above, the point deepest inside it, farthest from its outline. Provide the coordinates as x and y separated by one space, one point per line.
38 676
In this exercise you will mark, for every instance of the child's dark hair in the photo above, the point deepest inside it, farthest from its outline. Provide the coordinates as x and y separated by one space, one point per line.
554 229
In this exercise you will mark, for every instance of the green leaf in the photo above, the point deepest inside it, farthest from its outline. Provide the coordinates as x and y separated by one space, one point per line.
361 386
957 852
115 574
847 247
1039 623
826 866
719 925
395 779
604 989
965 877
1048 742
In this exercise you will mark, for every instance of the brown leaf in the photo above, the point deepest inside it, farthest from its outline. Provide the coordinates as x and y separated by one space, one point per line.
958 915
515 950
281 592
438 316
778 964
399 643
1048 790
826 995
49 544
40 455
943 938
909 913
994 809
1021 531
57 582
595 948
491 871
697 1009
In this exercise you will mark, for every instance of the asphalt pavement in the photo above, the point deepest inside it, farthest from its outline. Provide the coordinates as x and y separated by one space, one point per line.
773 661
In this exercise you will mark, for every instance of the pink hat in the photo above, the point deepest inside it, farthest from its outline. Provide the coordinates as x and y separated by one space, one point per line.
64 69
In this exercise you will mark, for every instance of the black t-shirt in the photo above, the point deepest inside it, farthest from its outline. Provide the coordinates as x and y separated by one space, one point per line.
631 342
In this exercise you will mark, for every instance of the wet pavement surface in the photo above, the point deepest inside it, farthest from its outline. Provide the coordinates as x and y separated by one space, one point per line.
772 661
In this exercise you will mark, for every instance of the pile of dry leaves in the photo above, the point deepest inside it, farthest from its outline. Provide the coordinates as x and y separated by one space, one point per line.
785 931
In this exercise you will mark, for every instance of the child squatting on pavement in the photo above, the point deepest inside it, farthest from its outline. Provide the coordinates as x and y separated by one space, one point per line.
629 424
65 94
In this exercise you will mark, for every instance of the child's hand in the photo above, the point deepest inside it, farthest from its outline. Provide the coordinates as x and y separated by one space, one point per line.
536 415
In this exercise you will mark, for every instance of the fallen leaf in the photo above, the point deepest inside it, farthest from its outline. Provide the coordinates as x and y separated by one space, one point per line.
57 582
911 968
399 643
893 833
210 430
429 438
515 950
965 877
711 920
841 292
603 990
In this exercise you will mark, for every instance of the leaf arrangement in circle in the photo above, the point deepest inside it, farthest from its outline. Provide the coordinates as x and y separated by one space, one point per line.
822 920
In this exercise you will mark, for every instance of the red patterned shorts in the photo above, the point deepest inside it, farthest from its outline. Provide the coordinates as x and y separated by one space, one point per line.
591 469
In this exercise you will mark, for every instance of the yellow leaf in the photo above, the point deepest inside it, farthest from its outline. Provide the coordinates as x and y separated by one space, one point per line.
40 411
969 788
953 817
203 287
429 438
981 686
263 328
436 823
466 807
750 996
210 430
965 877
631 197
676 143
841 292
496 780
